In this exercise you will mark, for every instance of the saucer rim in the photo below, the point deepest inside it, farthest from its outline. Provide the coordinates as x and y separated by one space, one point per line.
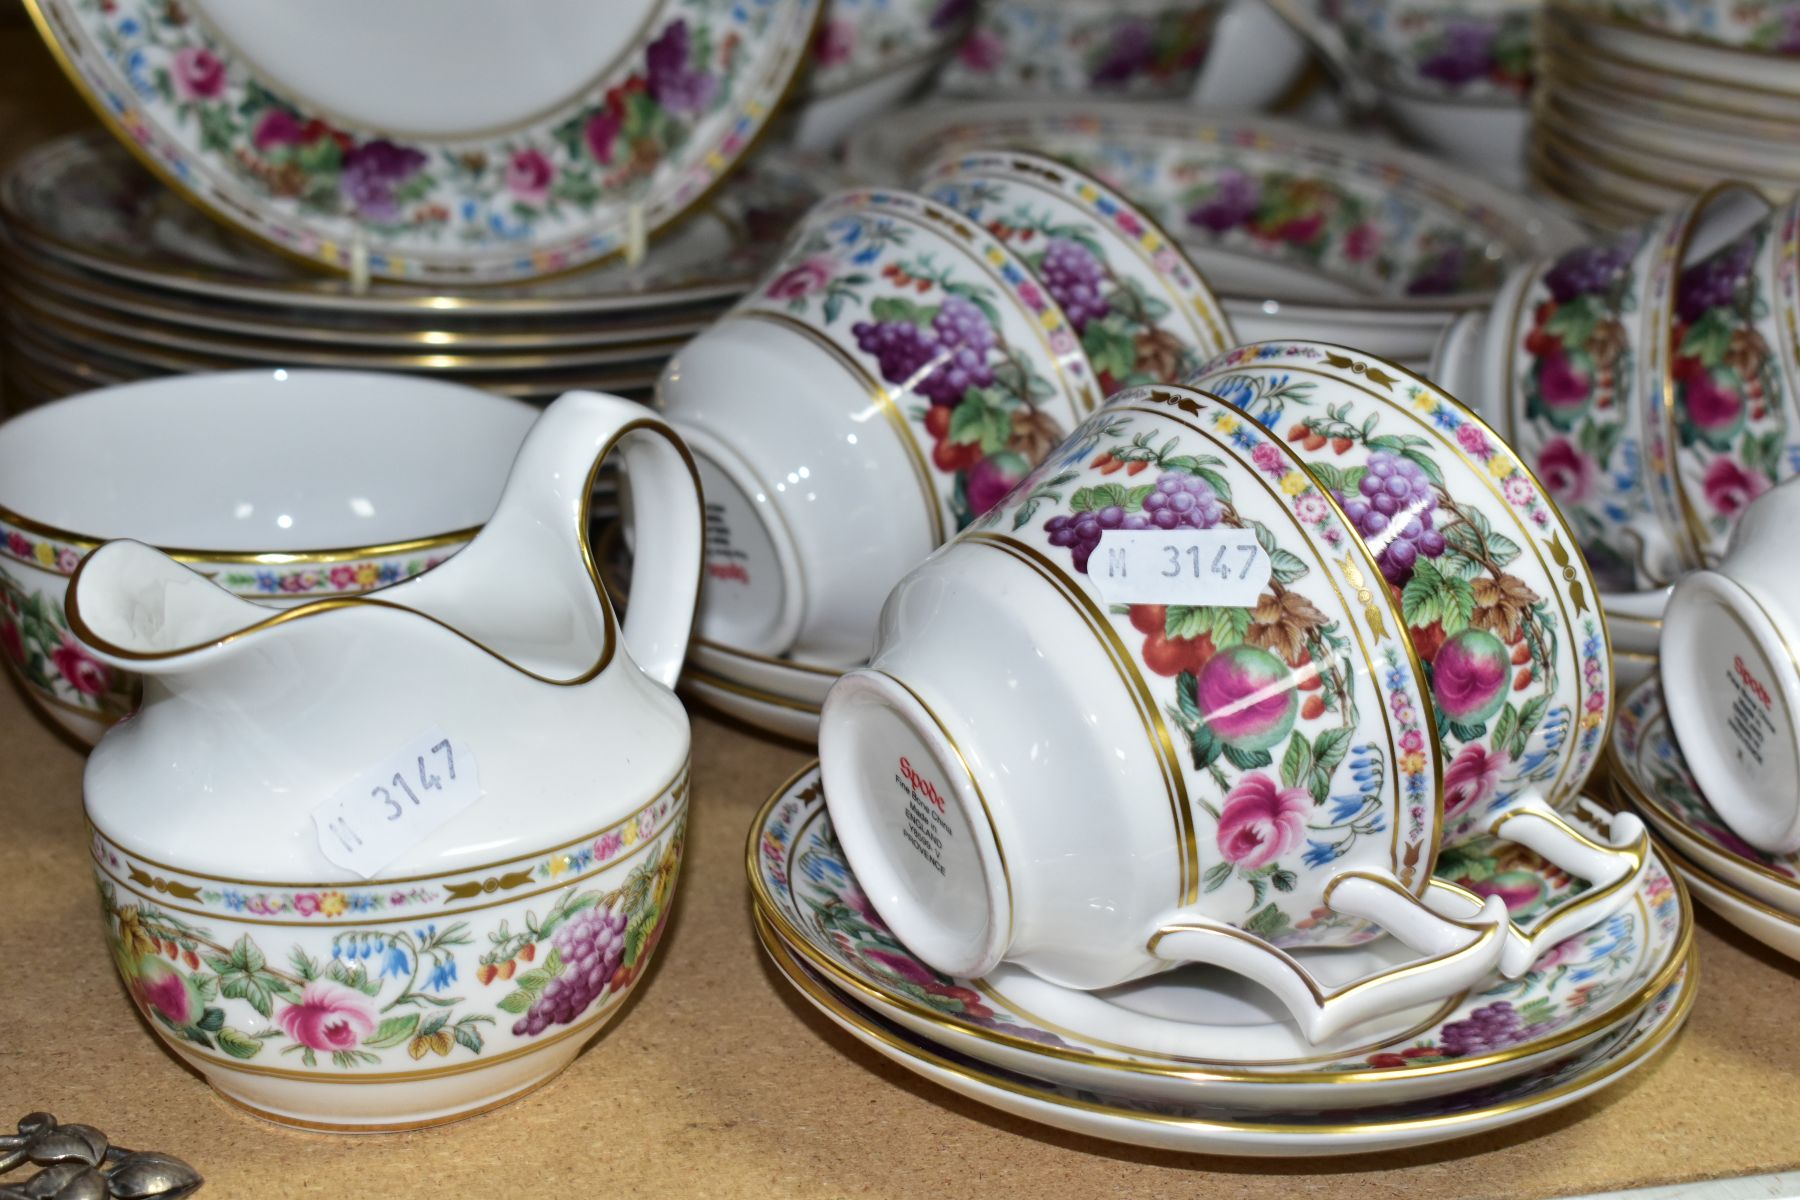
764 907
1604 1069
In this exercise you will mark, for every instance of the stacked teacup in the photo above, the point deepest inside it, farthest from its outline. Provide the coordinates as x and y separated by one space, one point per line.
1649 379
910 358
1244 676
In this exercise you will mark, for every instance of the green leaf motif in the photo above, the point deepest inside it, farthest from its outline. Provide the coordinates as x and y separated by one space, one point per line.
1248 760
211 1020
1267 922
393 1031
248 988
1215 877
1285 567
1112 351
895 309
1297 763
514 1002
238 1045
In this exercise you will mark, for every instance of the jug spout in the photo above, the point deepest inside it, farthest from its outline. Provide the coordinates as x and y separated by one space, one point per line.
138 609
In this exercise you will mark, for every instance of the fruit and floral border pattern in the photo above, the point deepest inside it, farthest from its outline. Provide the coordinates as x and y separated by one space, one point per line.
1669 502
1203 322
1466 599
1578 978
660 128
336 1005
796 850
1419 234
1281 793
859 40
61 557
1078 50
1646 749
1767 25
38 646
980 352
1572 981
1450 52
412 899
1733 437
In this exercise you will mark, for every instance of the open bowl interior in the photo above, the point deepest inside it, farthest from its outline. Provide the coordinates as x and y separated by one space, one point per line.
262 461
1269 210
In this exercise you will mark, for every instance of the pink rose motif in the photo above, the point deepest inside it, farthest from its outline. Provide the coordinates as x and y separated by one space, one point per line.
1472 779
328 1017
199 73
306 904
1471 439
1311 508
1711 407
1729 487
81 670
343 577
1261 821
1361 243
905 966
1596 701
837 42
162 989
982 50
1412 741
1130 225
277 127
609 845
809 275
16 543
1566 471
67 559
12 641
1268 458
528 176
1561 383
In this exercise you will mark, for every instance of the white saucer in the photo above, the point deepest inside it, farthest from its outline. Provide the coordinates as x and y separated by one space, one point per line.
1221 1130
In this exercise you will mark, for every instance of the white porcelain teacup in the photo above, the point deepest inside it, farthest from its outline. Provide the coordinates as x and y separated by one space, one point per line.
282 486
893 377
1731 677
1107 790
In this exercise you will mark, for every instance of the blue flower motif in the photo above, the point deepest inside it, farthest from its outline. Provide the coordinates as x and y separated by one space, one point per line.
1347 806
1444 418
1243 439
128 27
395 962
866 255
443 975
388 572
1270 351
267 582
234 900
1319 853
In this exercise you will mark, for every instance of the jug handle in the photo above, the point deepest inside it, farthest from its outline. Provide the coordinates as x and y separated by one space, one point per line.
668 530
1457 952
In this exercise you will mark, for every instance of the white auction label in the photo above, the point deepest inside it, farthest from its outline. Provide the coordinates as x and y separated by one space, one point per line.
1221 567
398 803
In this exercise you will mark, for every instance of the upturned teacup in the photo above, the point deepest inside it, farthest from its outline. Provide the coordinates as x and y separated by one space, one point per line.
893 377
1492 589
282 486
1731 675
1114 788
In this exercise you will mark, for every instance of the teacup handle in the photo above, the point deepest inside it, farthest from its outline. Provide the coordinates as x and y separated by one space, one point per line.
1456 953
1613 870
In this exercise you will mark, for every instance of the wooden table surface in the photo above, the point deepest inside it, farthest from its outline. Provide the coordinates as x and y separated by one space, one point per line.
718 1082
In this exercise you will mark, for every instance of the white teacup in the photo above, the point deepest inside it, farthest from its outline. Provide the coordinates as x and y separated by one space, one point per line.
895 375
1107 790
1731 675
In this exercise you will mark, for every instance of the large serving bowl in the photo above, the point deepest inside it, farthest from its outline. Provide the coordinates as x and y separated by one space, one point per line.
1302 233
285 486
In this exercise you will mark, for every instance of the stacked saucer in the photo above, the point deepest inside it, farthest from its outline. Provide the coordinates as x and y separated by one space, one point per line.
1643 103
1756 891
1195 1059
111 277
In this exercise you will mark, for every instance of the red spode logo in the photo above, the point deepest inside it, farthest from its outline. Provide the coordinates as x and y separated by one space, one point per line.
919 783
731 571
1749 682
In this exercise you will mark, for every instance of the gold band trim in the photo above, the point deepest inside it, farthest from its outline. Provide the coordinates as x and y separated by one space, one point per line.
393 1127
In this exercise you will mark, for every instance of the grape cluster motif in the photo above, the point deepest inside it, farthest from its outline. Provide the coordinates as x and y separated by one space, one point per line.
1586 270
591 946
1178 501
941 362
1392 509
1490 1027
1714 282
1076 281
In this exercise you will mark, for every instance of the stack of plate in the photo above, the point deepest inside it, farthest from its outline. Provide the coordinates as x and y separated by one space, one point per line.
1643 103
111 277
1195 1060
1757 892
